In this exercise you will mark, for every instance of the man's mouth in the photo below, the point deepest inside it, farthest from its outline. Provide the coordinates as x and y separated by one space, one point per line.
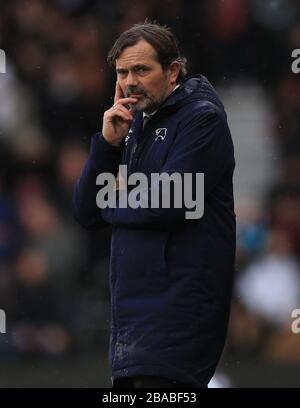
138 95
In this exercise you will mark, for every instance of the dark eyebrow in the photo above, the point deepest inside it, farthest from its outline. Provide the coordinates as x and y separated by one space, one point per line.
121 70
141 66
135 67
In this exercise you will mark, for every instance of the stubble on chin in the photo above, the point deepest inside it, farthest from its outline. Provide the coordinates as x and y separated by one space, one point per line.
141 105
146 105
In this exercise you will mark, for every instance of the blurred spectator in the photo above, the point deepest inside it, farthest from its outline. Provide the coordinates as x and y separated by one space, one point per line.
70 162
267 292
39 322
9 231
284 214
60 243
252 232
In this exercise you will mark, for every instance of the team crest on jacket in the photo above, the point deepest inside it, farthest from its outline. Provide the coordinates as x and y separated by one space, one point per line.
161 133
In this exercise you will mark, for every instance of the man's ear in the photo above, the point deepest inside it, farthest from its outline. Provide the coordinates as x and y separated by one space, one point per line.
174 69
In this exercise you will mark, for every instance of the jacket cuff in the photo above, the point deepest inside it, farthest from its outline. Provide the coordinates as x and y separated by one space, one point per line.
102 152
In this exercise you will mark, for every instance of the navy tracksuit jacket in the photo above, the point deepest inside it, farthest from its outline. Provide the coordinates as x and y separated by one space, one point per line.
170 278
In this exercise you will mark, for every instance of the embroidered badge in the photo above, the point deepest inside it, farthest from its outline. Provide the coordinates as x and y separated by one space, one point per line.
161 133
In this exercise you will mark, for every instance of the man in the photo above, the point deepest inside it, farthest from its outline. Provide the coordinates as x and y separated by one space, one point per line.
170 277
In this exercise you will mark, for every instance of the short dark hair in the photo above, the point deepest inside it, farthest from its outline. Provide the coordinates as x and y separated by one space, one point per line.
159 37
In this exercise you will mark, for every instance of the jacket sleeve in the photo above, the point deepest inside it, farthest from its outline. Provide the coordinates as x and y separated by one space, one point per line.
103 157
203 145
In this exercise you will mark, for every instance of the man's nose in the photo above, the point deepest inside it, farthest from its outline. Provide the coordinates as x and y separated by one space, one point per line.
131 79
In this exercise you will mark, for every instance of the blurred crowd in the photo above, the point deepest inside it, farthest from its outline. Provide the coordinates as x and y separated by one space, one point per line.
53 274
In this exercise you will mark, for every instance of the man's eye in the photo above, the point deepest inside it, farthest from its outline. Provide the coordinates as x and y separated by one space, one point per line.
122 73
141 69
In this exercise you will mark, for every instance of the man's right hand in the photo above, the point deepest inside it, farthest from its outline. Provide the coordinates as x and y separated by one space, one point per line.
117 119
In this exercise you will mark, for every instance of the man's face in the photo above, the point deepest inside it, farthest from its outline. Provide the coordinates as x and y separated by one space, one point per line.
141 76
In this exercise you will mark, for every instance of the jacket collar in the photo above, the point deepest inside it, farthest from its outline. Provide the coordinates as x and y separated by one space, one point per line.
149 115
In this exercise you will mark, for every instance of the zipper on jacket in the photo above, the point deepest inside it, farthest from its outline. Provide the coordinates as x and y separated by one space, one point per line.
138 148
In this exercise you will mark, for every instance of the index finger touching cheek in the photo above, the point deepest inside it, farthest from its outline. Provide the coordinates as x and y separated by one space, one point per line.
118 93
